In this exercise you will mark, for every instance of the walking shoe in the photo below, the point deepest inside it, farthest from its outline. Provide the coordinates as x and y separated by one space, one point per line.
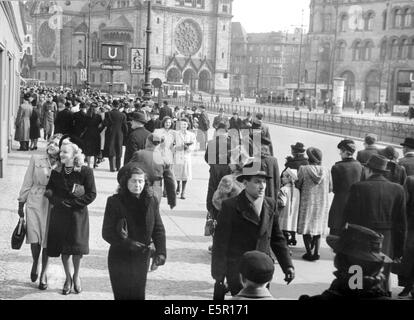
307 256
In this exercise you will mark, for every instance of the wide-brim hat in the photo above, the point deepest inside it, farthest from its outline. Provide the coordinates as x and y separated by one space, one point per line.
378 163
359 242
138 116
252 169
298 147
389 152
408 142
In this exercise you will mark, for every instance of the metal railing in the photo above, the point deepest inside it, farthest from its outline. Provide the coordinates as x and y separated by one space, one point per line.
387 131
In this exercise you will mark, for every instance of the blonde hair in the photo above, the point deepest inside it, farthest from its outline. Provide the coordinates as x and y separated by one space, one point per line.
78 156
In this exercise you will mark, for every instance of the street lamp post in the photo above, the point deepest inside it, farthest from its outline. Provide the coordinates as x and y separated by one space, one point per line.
316 82
88 67
333 55
146 88
300 62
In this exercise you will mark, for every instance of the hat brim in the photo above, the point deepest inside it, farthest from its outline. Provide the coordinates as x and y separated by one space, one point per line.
379 170
407 145
333 242
241 177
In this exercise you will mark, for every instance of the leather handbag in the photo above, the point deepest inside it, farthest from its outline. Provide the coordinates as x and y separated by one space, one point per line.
18 234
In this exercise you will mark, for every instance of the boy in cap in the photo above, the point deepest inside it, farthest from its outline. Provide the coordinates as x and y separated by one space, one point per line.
256 271
344 174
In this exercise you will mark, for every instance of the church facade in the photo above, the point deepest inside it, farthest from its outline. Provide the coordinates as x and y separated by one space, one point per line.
190 41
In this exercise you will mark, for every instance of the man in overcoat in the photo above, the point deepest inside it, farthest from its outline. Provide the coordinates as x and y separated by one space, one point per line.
116 124
248 222
203 126
344 174
79 120
379 204
137 137
369 148
221 118
156 168
64 118
408 161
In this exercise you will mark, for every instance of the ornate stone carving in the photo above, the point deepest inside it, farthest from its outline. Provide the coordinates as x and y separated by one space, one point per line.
47 39
188 37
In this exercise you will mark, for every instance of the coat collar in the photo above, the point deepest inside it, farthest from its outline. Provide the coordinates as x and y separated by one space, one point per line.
247 211
377 177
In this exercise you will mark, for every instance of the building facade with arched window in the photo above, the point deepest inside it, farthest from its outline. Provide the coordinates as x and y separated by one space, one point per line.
192 37
374 51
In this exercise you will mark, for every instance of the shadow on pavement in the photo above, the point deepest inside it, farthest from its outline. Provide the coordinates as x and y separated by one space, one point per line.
185 214
167 288
188 255
294 291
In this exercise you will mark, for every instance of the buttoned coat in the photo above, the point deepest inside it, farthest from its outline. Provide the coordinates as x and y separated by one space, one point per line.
344 174
117 129
69 227
165 111
64 122
23 122
239 229
379 204
407 275
408 163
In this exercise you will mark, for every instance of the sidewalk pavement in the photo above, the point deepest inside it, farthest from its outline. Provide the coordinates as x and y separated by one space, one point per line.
186 274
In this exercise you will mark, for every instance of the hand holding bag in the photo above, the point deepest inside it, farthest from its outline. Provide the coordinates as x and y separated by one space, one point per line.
209 226
18 234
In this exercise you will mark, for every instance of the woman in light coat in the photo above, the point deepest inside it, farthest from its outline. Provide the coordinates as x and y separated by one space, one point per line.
314 183
37 206
167 146
183 150
22 123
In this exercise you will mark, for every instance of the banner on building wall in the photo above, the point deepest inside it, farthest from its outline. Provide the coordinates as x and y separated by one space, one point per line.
83 75
338 95
137 60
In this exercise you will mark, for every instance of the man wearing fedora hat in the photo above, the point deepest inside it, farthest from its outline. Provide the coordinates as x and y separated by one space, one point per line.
248 222
379 204
116 131
356 246
138 136
344 174
408 161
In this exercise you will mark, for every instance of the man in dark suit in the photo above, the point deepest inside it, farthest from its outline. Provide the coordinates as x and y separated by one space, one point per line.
344 174
235 121
153 123
203 126
370 148
138 136
79 120
258 124
220 118
165 110
248 222
117 129
408 161
64 118
379 204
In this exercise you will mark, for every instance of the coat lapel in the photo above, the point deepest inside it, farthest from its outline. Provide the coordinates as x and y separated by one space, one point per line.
265 216
246 209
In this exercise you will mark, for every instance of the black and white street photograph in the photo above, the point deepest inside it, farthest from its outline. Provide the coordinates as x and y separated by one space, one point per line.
207 150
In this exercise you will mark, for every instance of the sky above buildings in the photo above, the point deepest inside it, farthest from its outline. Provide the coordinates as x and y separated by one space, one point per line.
270 15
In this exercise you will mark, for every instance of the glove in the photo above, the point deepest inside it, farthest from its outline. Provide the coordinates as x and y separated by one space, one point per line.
20 211
122 228
160 260
289 275
66 204
79 191
48 193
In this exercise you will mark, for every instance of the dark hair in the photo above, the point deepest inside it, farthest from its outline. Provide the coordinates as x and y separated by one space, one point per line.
164 120
123 180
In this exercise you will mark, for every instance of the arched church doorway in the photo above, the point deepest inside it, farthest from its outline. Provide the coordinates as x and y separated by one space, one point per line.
190 78
204 82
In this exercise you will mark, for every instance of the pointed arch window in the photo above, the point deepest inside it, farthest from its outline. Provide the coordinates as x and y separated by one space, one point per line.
404 49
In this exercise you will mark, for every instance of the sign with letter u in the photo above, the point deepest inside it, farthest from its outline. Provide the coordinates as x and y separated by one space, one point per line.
112 52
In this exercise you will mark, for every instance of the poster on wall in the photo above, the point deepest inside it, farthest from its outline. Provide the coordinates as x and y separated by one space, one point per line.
137 60
338 95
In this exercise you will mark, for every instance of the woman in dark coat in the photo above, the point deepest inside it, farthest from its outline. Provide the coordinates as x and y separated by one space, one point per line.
132 220
270 166
298 158
34 128
70 191
92 137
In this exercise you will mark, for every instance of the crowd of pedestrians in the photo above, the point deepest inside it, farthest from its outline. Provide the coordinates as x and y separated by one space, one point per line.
258 210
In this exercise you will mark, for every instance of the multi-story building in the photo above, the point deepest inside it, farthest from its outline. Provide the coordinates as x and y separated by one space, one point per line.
373 52
12 28
190 41
263 62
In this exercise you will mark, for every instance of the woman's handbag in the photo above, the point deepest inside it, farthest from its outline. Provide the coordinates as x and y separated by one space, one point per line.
18 234
210 225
